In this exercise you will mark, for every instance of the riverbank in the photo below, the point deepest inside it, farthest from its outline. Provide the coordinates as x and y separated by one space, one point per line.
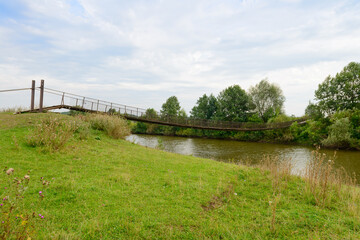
99 187
340 131
251 152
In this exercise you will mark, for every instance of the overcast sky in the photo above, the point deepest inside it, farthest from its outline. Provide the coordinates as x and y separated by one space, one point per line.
142 52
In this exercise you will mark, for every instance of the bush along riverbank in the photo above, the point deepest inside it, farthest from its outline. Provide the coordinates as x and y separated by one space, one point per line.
339 131
85 182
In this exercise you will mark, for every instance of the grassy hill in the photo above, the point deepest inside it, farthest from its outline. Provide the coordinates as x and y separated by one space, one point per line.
98 187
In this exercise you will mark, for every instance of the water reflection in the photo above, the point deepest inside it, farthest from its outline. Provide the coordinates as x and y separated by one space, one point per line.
226 150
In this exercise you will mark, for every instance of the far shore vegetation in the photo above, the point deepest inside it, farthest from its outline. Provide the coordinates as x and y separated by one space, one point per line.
74 177
334 117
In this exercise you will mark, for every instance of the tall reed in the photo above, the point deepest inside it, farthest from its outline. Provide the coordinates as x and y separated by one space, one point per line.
324 182
280 172
114 126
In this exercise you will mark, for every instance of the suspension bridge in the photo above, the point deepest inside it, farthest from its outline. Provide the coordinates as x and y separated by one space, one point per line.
64 100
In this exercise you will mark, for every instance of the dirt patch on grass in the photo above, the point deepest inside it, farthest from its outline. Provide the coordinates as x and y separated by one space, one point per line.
219 200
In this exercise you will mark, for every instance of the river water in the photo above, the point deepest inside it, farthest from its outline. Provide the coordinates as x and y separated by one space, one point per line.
235 151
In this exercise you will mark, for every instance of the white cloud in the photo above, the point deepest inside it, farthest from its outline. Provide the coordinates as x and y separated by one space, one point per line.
152 50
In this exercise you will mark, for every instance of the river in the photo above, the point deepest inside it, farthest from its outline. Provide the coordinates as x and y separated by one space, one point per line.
236 151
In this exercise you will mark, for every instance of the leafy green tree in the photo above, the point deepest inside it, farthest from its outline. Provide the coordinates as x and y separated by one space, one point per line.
151 113
205 108
171 107
268 99
340 92
313 110
233 104
182 114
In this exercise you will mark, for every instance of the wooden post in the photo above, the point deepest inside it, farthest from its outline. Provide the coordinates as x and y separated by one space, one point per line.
97 108
62 99
32 105
41 104
83 103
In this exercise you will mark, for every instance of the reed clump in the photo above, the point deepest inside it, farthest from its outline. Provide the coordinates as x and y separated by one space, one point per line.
280 172
325 184
53 133
114 126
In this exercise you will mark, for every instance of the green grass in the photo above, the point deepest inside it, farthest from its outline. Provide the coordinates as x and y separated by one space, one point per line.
114 189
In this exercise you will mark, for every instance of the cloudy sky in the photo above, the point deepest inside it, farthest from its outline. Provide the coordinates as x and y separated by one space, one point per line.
141 52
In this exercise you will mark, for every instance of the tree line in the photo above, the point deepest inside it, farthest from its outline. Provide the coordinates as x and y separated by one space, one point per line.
334 116
263 101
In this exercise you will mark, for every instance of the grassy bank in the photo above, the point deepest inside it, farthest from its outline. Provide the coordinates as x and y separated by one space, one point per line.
100 187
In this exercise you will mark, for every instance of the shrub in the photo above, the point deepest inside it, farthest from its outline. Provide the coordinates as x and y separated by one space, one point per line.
281 118
139 127
51 133
339 134
114 126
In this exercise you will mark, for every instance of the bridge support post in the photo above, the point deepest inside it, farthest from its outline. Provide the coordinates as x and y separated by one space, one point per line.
41 103
32 104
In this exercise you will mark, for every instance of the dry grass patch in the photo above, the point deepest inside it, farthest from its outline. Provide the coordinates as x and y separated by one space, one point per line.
114 126
53 133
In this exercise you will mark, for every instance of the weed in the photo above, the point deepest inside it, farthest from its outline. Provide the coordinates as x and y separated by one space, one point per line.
16 143
320 176
51 134
114 126
279 170
273 205
160 144
16 222
12 110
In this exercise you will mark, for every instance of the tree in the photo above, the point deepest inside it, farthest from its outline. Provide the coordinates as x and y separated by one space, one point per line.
340 92
182 114
151 113
171 107
233 104
313 111
268 99
205 107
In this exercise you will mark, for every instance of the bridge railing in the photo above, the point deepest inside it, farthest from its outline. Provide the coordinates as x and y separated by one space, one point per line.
92 104
135 113
219 124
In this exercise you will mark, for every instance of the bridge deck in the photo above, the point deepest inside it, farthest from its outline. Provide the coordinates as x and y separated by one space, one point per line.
186 123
